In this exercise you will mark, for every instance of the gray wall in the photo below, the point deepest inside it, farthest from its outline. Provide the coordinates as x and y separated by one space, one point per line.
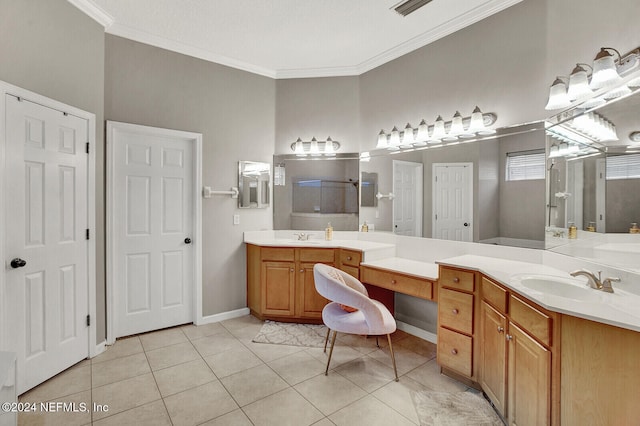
235 112
51 48
624 205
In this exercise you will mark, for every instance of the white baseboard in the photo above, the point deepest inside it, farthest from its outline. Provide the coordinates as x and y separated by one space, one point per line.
223 316
418 332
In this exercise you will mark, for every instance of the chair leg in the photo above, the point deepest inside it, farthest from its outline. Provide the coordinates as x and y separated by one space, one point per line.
326 339
393 358
377 344
333 342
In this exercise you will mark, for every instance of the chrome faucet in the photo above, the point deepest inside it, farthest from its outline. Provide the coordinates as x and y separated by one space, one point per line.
596 281
302 236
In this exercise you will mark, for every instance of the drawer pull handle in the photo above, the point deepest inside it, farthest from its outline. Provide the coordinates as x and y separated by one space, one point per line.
509 337
348 257
500 329
455 311
393 281
454 351
456 280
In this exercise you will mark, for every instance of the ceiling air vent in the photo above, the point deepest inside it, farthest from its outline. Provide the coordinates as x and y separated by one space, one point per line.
406 7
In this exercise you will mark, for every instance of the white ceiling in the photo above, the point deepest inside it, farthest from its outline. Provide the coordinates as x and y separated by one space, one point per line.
288 38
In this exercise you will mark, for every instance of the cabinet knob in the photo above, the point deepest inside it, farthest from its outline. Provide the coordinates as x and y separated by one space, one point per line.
500 329
291 270
509 337
393 281
456 280
455 311
348 257
301 270
454 351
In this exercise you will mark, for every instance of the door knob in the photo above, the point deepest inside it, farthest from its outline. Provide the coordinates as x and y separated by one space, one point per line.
466 224
18 263
187 240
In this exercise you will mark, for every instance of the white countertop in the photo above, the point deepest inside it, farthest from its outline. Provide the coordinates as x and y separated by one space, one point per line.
620 309
413 267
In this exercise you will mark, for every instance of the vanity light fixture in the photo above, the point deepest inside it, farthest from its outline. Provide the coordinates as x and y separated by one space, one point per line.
608 79
315 147
477 125
365 157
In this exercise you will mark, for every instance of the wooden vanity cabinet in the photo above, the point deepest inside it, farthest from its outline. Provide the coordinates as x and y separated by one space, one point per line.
280 282
457 297
517 350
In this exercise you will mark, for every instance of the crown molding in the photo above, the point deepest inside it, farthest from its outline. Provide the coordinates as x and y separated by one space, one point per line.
442 30
93 11
185 49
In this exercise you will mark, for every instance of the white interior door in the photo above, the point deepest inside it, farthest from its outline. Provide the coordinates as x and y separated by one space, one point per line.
453 201
45 209
152 207
407 201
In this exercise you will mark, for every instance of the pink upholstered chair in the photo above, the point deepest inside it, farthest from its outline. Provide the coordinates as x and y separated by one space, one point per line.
370 318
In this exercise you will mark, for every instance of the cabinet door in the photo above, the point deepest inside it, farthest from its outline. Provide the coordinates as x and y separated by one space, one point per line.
493 355
529 380
310 303
278 288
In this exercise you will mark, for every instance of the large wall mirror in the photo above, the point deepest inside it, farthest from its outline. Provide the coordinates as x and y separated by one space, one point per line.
311 192
597 186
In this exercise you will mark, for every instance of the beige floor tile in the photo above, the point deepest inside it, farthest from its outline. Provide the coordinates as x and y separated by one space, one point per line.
122 347
253 384
199 404
215 344
324 422
247 333
429 376
419 346
329 393
362 344
234 418
126 394
367 373
297 367
199 331
406 360
152 414
241 322
171 355
369 411
283 408
341 355
71 381
268 352
183 376
232 361
398 395
76 411
119 369
160 338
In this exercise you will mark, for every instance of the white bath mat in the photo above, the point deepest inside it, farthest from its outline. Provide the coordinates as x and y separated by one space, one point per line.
454 409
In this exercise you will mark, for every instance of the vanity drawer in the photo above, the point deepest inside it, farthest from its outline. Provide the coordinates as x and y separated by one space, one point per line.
536 323
494 294
398 282
350 257
354 272
455 351
455 278
455 310
273 253
317 255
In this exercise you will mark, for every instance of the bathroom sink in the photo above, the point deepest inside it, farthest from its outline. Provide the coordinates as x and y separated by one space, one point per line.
567 288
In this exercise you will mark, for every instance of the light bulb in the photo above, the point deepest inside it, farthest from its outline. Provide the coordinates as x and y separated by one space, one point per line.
382 140
407 137
558 97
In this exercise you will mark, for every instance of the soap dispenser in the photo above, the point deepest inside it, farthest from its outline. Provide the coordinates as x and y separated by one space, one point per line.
573 231
634 228
365 227
328 232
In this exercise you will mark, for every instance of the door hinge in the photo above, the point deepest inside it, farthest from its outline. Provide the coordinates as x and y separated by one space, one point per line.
436 217
87 147
87 234
88 320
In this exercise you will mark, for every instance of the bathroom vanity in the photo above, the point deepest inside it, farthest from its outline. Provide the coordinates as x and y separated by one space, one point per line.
542 346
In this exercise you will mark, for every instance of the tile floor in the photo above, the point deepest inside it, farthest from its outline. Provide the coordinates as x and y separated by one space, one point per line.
215 375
